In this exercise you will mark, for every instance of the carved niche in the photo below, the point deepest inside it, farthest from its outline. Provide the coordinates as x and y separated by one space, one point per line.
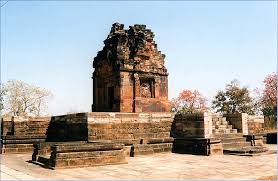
147 88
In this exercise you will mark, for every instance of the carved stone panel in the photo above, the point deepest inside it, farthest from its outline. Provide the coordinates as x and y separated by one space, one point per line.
147 88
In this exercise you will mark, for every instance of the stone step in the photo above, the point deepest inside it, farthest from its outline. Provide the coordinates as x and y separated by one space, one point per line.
220 126
214 119
231 135
235 145
223 131
216 123
215 131
233 140
234 131
42 160
248 151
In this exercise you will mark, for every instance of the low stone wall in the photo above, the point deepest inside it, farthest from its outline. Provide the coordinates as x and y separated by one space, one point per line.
25 126
7 126
128 126
79 154
197 125
255 124
71 127
198 146
193 134
18 134
143 133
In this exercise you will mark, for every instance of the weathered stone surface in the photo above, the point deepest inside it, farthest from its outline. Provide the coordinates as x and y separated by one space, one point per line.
44 148
146 149
271 138
88 154
18 134
129 128
199 146
255 124
246 151
71 127
238 121
129 74
197 125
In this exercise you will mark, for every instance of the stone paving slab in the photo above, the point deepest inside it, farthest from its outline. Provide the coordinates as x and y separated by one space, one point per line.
158 166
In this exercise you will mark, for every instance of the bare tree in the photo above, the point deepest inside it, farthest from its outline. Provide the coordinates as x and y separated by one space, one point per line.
24 99
2 93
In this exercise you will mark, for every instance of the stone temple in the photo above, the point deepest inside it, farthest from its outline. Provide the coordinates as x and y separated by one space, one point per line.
130 115
129 73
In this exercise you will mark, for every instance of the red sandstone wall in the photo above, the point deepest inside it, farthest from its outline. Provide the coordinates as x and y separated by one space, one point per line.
6 126
192 126
25 126
130 90
135 127
71 127
20 133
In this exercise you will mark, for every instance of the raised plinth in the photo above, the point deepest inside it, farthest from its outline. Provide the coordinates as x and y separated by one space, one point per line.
81 154
198 146
19 144
141 133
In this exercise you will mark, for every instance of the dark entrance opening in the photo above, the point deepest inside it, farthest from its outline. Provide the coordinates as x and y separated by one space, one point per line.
110 97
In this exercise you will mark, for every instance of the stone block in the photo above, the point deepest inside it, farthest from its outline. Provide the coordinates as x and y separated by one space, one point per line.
88 154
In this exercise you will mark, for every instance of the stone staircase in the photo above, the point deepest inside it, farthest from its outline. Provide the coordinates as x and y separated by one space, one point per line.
232 141
229 137
221 126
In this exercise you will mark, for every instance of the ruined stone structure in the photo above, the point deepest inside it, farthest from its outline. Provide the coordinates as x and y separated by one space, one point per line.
129 73
130 115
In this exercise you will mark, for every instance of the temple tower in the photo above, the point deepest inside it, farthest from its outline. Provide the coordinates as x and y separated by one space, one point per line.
129 73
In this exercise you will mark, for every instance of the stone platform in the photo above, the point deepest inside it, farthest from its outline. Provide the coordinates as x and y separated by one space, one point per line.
79 154
19 144
198 146
141 133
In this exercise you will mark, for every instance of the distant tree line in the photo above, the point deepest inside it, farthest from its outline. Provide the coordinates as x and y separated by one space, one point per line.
20 98
233 99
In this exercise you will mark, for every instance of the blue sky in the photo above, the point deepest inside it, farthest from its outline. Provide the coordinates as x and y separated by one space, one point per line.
207 44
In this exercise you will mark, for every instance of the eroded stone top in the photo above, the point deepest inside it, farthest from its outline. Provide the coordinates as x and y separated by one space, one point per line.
133 49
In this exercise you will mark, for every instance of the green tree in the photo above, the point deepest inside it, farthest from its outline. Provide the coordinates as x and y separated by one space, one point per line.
233 99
